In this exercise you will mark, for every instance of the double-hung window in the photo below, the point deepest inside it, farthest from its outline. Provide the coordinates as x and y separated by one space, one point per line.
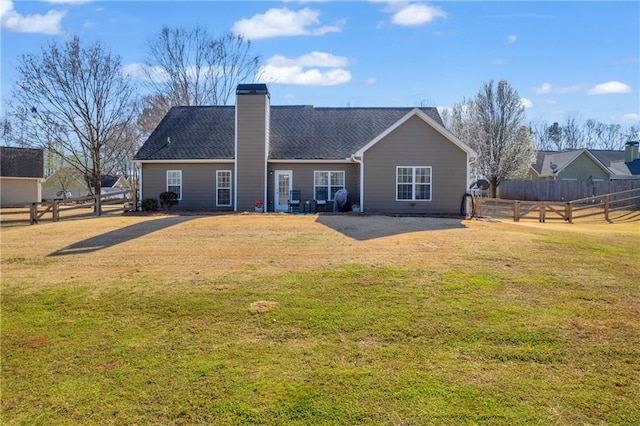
223 188
174 182
327 183
413 183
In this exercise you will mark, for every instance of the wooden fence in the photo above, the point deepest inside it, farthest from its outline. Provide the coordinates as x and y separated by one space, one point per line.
561 190
70 208
616 206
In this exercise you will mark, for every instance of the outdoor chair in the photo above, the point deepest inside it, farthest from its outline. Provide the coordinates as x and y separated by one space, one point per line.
321 199
294 200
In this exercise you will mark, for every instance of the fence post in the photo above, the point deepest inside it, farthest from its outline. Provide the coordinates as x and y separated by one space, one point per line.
606 207
478 206
516 211
568 212
33 214
543 209
56 210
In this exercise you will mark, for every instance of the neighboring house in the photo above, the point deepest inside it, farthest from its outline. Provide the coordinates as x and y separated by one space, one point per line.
113 184
65 183
21 175
587 164
68 182
225 158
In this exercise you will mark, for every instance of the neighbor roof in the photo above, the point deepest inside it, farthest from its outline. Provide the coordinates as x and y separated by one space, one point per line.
297 132
21 162
550 162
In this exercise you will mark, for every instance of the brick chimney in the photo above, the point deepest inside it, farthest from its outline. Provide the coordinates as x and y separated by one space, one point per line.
631 151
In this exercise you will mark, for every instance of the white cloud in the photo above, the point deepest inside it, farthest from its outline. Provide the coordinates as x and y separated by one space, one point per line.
546 88
48 23
512 39
371 81
313 59
414 14
298 71
298 76
526 103
610 87
632 116
283 22
497 61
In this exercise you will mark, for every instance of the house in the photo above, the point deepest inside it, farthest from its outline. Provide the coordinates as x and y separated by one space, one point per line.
21 176
68 182
225 158
587 164
65 183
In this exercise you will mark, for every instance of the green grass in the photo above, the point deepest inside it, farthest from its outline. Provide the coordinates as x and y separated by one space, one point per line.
482 343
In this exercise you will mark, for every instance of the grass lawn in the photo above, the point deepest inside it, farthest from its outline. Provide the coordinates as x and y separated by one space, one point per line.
277 319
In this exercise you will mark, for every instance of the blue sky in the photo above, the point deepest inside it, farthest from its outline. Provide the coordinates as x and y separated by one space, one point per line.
576 58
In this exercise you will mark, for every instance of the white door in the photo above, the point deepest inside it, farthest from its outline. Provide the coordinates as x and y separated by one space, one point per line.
282 186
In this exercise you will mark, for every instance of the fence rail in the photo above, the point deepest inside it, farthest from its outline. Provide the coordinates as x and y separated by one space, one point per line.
626 202
63 209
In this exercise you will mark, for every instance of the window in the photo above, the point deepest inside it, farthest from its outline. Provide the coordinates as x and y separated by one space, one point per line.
174 182
223 188
326 183
413 183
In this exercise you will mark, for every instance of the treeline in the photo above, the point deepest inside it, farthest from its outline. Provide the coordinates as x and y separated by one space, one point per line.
574 134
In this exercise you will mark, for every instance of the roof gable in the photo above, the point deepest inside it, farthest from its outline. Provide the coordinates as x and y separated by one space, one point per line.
427 119
552 163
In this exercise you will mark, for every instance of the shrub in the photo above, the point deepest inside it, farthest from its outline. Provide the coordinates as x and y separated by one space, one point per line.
168 199
149 204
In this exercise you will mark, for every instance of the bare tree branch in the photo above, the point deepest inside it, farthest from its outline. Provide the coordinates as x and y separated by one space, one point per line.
78 102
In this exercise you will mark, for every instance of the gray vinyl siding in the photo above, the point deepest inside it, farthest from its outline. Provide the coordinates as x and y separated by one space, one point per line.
303 179
582 168
415 143
251 146
198 184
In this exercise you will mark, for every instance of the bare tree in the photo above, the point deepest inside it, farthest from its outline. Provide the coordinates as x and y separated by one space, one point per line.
591 134
540 130
493 124
190 67
79 103
572 134
152 110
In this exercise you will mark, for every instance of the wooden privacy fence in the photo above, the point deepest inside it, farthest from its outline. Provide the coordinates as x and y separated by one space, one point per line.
625 202
38 210
561 190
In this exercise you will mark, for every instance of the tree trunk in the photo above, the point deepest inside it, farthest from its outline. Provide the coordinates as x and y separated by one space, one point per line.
493 188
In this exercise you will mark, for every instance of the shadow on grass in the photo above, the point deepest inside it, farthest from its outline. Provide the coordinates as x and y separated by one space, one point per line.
362 227
121 235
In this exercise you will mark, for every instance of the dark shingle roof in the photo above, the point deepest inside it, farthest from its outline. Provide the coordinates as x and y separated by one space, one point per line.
21 162
548 162
195 132
297 132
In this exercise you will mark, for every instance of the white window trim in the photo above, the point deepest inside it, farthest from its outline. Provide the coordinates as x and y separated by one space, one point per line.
413 183
167 181
329 195
218 187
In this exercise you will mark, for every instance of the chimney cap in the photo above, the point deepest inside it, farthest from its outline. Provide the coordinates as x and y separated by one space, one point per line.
632 143
252 89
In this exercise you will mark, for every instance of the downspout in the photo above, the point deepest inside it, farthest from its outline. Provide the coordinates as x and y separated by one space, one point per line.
138 166
361 162
234 179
